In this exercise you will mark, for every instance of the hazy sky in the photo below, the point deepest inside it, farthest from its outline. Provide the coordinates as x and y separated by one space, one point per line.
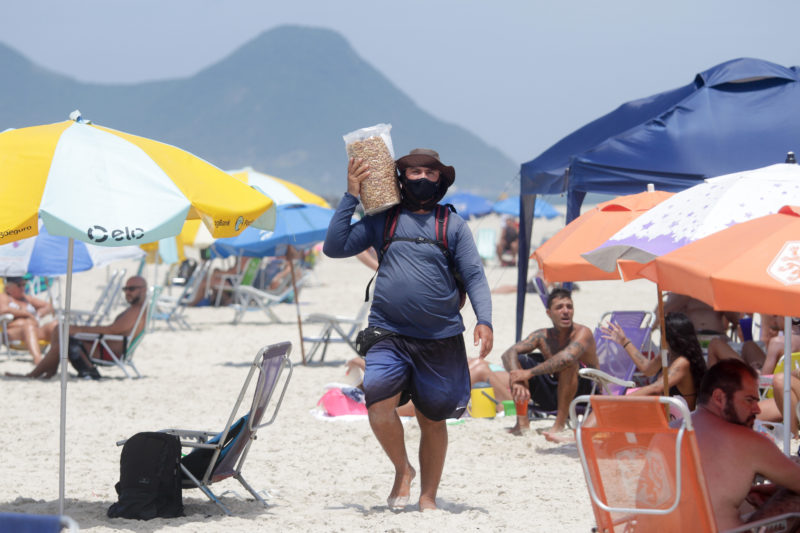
520 74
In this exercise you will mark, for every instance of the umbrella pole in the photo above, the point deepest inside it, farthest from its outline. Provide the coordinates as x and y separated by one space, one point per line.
297 304
64 341
663 344
787 379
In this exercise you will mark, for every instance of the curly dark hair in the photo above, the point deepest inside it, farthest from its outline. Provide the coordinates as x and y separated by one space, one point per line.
682 339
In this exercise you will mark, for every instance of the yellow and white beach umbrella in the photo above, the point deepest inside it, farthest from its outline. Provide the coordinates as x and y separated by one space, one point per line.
196 235
281 191
110 188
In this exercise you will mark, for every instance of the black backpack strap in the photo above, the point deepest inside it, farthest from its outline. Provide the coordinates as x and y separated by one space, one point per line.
389 227
442 214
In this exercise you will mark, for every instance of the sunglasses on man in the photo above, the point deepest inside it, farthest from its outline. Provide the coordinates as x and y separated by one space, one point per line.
132 288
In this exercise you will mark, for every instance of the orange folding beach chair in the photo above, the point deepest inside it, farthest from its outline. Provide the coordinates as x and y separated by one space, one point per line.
644 475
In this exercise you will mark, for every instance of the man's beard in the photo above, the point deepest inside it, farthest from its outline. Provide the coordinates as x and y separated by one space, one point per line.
729 413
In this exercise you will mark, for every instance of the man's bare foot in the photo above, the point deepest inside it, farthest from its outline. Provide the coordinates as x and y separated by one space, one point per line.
554 429
401 490
16 376
561 437
519 429
522 426
26 376
427 504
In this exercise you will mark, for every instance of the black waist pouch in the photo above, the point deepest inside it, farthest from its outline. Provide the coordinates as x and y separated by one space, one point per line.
367 337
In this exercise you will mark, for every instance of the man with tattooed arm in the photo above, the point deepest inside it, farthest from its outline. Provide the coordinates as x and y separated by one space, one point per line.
566 347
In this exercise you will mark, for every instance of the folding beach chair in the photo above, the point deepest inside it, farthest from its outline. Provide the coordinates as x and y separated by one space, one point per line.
335 329
36 523
615 371
486 241
765 380
218 456
642 474
541 290
105 302
250 298
245 277
172 310
101 354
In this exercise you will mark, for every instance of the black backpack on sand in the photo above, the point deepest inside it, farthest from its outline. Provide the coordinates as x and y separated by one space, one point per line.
150 478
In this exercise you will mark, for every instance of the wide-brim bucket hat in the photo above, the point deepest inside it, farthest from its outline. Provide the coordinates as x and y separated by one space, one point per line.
425 157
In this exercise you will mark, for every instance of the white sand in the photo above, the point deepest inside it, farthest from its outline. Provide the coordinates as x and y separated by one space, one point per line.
320 475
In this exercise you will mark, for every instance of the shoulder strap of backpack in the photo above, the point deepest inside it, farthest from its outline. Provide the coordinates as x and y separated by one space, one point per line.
389 227
442 214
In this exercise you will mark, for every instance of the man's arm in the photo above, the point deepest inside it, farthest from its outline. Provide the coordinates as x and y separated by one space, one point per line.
122 325
342 238
528 344
569 356
774 465
517 378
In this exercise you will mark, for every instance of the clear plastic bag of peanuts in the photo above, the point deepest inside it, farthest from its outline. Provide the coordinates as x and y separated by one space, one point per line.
379 191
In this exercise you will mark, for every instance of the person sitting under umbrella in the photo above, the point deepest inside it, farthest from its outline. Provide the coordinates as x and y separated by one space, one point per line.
27 311
135 294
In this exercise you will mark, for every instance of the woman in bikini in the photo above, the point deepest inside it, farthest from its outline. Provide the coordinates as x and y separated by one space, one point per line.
27 311
685 356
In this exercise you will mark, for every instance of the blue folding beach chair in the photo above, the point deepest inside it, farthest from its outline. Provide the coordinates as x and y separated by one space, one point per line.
616 370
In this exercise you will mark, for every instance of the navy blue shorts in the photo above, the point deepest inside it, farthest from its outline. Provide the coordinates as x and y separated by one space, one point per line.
431 372
544 387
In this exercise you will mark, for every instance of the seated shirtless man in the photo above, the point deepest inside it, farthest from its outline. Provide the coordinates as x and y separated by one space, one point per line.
565 347
732 453
135 294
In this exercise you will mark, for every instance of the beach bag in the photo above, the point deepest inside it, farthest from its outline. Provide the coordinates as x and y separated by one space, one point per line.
149 478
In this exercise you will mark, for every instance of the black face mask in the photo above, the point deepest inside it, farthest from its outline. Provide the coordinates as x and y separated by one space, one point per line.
422 193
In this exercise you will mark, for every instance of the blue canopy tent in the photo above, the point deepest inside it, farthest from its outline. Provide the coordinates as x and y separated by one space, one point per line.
738 115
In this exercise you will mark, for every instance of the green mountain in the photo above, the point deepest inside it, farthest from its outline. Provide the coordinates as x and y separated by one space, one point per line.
280 104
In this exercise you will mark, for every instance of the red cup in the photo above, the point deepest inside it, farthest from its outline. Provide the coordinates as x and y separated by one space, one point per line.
521 407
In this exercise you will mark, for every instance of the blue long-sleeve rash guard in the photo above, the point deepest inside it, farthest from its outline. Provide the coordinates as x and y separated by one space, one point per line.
415 293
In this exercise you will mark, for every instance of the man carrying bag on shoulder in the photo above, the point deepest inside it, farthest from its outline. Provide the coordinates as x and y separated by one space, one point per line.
417 300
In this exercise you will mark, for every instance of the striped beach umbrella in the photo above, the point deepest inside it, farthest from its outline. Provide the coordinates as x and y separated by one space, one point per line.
109 188
46 255
281 191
